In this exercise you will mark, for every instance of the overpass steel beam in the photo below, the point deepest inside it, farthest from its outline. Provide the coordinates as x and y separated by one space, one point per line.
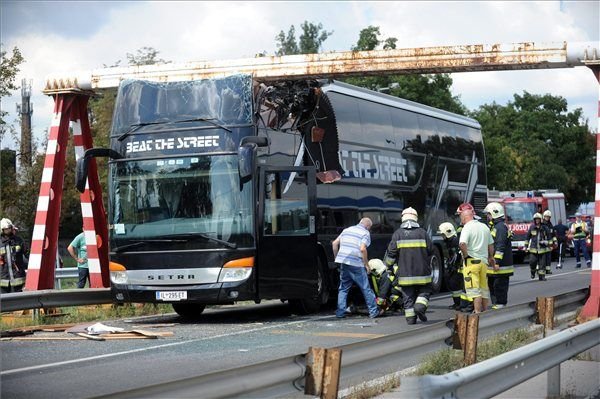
441 59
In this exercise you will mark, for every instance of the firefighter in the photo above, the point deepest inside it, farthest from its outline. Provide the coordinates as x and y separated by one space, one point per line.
409 251
388 296
552 242
13 259
498 280
453 270
579 232
537 244
466 302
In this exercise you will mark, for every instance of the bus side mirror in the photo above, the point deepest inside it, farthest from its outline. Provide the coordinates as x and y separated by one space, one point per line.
83 164
247 155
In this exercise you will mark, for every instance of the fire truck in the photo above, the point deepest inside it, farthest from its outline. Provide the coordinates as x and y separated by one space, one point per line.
519 208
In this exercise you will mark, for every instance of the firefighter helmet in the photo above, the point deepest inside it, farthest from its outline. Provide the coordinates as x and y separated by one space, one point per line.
409 214
377 265
6 224
447 229
537 215
547 213
495 209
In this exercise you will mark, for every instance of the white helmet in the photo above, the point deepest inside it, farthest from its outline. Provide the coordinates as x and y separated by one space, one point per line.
377 265
537 215
547 213
447 229
495 209
6 224
410 214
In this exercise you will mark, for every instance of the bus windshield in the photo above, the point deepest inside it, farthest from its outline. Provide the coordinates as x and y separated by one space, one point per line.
192 202
519 212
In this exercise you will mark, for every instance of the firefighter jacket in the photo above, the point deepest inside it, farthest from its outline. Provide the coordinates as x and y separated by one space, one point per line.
410 249
454 262
538 239
502 249
552 238
13 261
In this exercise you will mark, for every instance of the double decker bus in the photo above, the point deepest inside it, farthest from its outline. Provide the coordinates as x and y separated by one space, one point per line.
228 189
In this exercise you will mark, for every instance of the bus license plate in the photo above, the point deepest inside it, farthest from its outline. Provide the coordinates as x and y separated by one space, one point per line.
171 295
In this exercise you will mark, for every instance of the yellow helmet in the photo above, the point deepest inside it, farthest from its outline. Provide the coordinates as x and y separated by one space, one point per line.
537 215
547 213
447 229
409 214
495 209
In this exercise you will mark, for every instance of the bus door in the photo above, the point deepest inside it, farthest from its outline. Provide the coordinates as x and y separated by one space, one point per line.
287 242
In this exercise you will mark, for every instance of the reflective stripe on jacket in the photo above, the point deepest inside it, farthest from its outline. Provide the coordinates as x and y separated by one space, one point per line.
410 248
502 248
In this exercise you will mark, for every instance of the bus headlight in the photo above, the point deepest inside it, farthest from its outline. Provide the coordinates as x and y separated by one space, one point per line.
234 274
118 277
236 270
118 273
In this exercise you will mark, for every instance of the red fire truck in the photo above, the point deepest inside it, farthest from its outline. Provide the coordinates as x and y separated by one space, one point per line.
519 208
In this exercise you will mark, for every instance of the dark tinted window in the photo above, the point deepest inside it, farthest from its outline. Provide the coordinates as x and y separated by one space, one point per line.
376 123
406 127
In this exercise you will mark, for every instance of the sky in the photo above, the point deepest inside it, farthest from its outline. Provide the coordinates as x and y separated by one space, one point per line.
58 38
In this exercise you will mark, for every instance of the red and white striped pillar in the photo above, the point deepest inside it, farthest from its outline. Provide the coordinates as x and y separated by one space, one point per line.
591 309
40 272
94 218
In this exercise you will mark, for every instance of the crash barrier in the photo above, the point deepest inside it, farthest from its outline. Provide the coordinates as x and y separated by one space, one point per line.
64 273
287 376
54 299
496 375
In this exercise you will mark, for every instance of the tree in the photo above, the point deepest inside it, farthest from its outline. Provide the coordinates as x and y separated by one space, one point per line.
432 90
310 40
523 135
9 68
145 56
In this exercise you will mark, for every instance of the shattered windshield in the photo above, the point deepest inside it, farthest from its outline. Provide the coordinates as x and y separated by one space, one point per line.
226 101
180 198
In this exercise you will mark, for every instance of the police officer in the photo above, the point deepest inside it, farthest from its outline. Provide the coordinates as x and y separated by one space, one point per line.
551 241
498 280
453 271
13 260
410 249
537 244
579 232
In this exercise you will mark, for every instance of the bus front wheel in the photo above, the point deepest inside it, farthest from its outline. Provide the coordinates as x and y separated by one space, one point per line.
436 270
188 310
312 305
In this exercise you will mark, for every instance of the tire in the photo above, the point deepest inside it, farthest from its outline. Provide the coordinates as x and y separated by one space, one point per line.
188 310
306 306
436 269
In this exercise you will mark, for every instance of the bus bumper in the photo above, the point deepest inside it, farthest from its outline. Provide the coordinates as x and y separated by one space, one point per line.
217 293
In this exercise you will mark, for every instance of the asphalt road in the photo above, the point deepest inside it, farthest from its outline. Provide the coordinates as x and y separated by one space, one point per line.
224 338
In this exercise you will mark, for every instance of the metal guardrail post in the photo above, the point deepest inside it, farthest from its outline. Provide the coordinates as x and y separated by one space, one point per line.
323 372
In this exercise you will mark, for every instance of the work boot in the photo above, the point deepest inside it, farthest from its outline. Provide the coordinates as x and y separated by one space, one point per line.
588 264
578 266
422 316
533 274
542 277
411 320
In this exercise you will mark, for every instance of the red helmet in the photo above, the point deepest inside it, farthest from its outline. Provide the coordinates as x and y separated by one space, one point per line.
465 207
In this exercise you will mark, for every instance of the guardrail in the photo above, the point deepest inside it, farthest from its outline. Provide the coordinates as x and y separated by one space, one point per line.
54 299
285 377
496 375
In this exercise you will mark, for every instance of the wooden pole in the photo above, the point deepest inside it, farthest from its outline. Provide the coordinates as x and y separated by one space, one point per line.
471 341
315 363
331 376
459 335
548 316
540 309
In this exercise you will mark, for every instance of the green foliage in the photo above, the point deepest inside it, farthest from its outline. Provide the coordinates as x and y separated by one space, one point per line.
310 41
533 142
145 56
9 68
432 90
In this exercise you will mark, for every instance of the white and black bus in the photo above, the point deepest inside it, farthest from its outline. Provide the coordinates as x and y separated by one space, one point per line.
224 190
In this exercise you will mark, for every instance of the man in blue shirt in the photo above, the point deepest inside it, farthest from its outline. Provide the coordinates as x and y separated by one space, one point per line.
350 251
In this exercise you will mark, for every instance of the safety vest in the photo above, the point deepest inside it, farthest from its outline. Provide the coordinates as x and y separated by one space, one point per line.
502 249
579 230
